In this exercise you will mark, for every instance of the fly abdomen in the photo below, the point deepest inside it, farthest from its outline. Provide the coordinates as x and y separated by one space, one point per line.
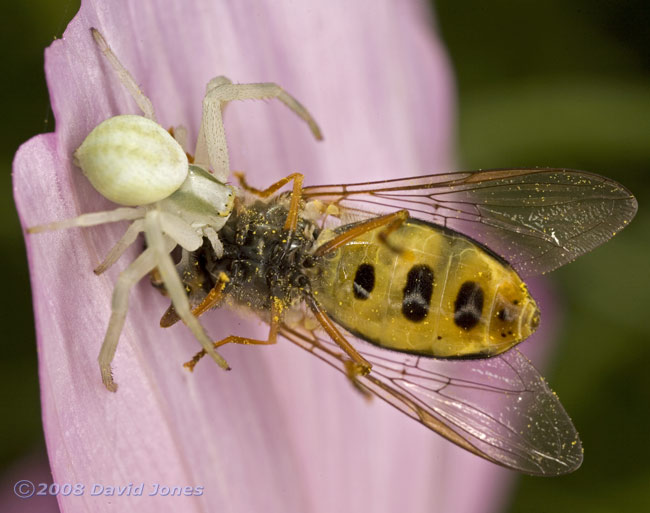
445 296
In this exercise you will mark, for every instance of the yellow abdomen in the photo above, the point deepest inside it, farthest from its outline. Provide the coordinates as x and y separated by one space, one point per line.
440 294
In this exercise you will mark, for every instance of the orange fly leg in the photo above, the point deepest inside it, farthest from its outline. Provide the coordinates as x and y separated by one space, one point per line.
276 320
360 365
353 371
400 217
294 207
169 318
154 278
214 297
390 222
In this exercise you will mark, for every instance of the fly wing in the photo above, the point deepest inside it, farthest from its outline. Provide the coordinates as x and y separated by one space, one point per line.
500 409
536 219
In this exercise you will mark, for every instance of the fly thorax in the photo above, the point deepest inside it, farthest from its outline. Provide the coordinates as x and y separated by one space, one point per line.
263 259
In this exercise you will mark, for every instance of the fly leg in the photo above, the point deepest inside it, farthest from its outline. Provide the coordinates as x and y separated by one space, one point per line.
390 222
212 300
276 320
359 366
296 194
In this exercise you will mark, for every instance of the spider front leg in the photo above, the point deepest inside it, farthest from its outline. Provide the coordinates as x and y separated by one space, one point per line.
156 242
211 147
124 76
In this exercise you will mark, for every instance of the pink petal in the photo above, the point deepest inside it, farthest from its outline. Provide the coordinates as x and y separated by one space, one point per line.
22 486
281 432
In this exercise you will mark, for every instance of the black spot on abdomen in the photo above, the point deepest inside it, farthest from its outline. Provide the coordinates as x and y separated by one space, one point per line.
364 281
417 293
469 305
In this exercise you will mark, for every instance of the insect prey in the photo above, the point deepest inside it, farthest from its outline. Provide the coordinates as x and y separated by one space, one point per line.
392 299
390 282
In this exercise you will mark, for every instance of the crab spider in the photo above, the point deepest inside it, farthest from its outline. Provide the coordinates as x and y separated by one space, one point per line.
134 162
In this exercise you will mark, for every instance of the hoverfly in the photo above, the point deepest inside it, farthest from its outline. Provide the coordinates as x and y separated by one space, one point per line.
420 291
426 269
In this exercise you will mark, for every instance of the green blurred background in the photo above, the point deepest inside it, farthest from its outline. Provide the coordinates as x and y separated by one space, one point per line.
567 83
556 83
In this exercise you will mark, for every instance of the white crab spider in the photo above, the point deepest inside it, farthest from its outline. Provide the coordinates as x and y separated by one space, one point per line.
134 162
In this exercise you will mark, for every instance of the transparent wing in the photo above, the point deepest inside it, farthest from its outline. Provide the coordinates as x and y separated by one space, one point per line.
537 219
500 409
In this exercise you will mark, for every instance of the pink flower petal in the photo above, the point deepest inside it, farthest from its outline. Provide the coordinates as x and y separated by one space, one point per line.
281 432
21 489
